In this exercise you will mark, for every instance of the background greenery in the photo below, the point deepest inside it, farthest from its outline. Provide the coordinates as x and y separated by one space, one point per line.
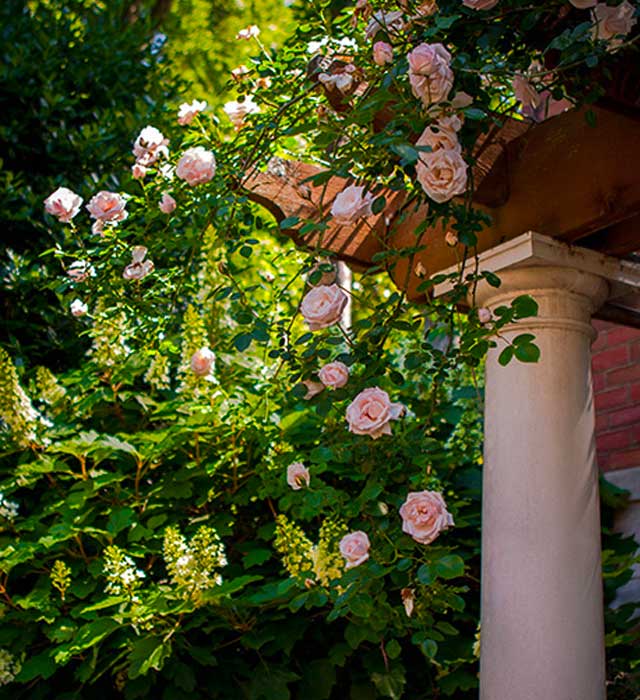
124 445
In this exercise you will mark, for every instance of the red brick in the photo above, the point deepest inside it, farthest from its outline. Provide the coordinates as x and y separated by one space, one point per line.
626 458
625 416
635 393
602 459
621 334
614 398
600 343
615 357
615 441
602 422
602 326
635 351
598 382
624 375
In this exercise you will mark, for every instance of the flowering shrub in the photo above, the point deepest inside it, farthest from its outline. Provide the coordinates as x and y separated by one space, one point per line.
244 480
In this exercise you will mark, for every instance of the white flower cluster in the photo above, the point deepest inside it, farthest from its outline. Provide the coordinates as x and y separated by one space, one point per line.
8 509
121 572
193 565
9 667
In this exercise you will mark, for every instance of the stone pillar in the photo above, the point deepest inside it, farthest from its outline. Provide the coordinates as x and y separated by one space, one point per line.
542 618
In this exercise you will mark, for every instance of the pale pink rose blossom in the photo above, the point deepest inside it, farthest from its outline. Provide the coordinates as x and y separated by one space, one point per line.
149 146
322 306
80 271
138 172
249 32
443 174
107 207
371 411
439 137
78 308
298 476
408 600
613 23
484 315
583 4
238 111
139 267
430 73
313 388
451 238
390 22
351 204
548 107
334 374
424 516
202 362
239 72
167 203
480 4
343 82
382 53
196 166
424 9
64 204
525 92
97 227
188 110
354 547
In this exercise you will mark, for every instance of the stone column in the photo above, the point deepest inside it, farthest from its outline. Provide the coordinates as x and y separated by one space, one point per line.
542 618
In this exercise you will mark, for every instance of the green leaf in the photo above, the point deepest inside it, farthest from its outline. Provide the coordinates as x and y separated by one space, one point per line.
505 356
379 203
450 566
429 648
148 653
524 306
119 519
527 352
390 685
426 575
241 342
39 666
289 222
393 649
318 680
255 557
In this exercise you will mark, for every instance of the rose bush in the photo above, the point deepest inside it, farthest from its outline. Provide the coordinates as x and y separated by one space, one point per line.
162 524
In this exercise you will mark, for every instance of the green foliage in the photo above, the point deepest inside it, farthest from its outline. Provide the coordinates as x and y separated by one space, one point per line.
152 545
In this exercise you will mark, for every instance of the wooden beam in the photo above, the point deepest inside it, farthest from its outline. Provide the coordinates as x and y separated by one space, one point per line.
563 178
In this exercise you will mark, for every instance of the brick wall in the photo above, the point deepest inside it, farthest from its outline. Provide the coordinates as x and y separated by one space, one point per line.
616 385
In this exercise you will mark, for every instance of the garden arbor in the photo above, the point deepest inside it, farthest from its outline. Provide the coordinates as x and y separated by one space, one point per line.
564 199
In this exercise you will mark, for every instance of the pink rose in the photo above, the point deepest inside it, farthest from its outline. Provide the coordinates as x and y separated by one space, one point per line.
298 476
322 306
334 375
480 4
187 112
63 204
547 107
202 362
525 92
313 388
611 22
138 269
249 32
371 412
351 204
442 174
430 73
354 547
484 315
424 9
390 22
138 172
424 516
167 203
437 137
382 53
80 271
149 146
583 4
196 166
238 111
107 206
78 308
